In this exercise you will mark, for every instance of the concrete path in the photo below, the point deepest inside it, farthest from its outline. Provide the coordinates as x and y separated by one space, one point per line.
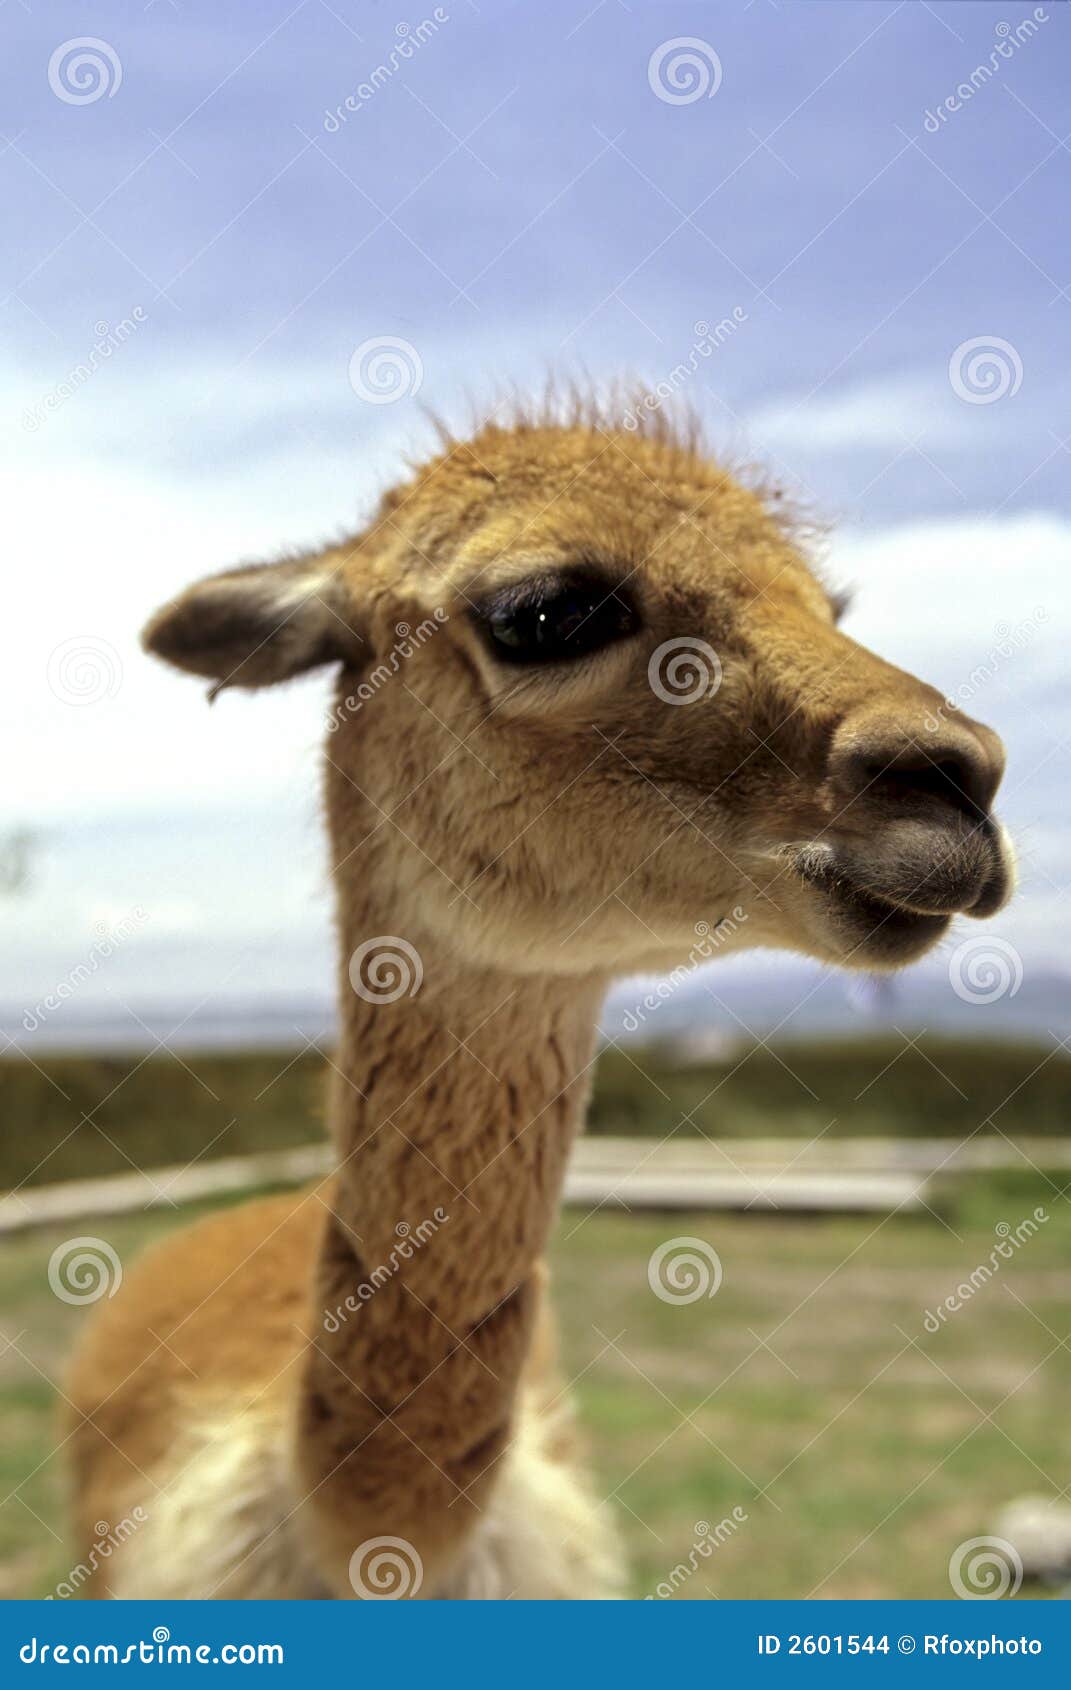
824 1176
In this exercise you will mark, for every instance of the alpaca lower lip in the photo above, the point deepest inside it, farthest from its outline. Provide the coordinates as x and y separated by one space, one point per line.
875 930
882 913
962 874
879 912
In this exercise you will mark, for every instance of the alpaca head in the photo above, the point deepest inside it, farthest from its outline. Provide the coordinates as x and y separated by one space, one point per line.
591 700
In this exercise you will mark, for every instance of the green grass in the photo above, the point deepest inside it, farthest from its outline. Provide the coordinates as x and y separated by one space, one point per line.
841 1087
84 1116
807 1392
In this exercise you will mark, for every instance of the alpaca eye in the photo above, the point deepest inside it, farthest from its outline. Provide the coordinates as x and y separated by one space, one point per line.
552 622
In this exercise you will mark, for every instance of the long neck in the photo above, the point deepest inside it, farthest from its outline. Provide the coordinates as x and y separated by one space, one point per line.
453 1113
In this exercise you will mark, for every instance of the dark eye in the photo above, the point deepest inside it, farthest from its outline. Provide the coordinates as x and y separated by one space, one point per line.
551 621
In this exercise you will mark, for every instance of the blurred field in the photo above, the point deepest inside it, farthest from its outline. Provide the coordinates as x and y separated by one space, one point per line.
76 1117
807 1393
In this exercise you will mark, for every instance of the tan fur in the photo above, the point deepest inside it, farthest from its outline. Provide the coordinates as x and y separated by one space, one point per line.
528 833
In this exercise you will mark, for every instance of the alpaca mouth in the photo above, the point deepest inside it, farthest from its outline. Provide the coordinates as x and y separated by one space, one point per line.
895 899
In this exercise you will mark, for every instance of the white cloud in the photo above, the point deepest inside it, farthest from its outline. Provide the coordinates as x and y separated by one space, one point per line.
880 415
945 597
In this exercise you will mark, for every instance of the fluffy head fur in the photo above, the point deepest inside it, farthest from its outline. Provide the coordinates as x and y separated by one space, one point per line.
687 770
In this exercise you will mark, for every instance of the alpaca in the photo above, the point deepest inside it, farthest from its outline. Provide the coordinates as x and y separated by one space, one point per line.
626 708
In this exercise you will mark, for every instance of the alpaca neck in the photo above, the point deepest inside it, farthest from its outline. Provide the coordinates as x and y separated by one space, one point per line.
453 1114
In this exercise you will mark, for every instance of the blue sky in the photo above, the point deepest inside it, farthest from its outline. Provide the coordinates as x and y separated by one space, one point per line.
515 196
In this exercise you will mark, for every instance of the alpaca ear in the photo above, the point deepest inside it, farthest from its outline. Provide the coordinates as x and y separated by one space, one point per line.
255 626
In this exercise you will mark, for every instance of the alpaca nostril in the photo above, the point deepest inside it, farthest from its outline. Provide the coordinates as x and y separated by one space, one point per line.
890 764
950 779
